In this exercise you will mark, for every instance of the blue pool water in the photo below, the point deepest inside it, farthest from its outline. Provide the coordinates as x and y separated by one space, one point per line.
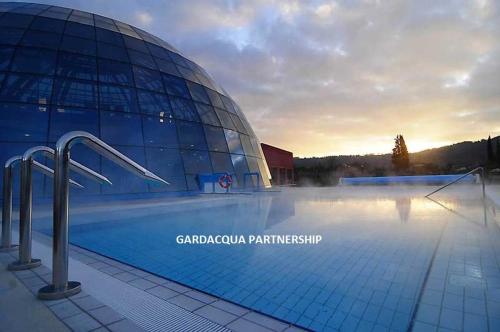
366 274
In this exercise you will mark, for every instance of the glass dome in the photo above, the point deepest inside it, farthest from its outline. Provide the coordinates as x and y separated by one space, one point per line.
63 69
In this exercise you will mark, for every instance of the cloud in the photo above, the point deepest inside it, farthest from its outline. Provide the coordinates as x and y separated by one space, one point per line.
331 77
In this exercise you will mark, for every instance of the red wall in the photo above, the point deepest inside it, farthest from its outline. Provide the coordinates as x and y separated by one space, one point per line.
277 157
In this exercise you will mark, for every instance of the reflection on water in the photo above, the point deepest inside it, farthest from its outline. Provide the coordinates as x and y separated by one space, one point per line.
403 205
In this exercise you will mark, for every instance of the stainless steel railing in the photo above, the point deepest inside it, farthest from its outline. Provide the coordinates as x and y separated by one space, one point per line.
475 170
60 286
25 261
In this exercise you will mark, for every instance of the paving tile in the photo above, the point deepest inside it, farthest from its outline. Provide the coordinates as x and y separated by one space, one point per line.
243 325
139 273
162 292
111 270
216 315
82 323
142 283
156 279
230 307
105 315
33 281
186 302
126 276
205 298
124 325
87 303
98 265
177 287
65 309
266 321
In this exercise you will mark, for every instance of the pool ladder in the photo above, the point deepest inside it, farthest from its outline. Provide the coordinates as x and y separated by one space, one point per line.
60 286
479 170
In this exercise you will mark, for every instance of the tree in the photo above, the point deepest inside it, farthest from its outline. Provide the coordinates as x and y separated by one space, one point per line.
490 158
497 152
400 156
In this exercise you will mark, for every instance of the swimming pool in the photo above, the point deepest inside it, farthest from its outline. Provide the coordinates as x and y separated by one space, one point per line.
380 252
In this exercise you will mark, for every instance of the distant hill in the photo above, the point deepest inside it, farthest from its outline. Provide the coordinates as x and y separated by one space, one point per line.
455 158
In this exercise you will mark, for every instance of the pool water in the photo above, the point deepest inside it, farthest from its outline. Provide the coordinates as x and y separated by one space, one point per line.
368 272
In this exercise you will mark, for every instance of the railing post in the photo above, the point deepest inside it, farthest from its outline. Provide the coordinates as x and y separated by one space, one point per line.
7 205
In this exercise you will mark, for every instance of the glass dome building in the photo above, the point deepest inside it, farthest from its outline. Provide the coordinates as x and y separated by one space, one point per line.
63 69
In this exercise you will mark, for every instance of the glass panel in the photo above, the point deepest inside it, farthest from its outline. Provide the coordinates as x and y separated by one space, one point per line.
214 98
141 59
184 109
247 145
147 79
188 74
196 162
176 86
228 104
178 59
233 141
78 45
191 135
117 98
198 92
109 51
34 60
192 182
124 182
104 23
167 67
15 20
56 14
27 88
115 72
240 166
221 162
10 36
154 103
159 131
79 30
77 66
215 139
135 43
63 120
207 114
167 164
5 56
225 119
121 128
33 9
75 93
22 122
109 37
237 122
158 52
41 39
47 24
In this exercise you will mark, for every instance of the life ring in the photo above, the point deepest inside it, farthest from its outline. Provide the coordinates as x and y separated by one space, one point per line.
225 181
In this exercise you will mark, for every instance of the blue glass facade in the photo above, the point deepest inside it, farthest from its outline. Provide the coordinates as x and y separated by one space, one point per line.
64 69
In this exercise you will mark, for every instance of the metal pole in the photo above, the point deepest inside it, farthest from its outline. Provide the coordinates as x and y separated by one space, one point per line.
454 181
7 205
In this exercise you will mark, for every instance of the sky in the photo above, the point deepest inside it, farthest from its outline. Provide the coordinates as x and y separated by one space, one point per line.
325 78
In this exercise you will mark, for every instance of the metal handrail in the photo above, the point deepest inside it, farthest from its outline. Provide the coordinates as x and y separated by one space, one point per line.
25 260
60 286
460 178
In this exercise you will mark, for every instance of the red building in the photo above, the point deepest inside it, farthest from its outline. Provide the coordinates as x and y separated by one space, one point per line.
280 163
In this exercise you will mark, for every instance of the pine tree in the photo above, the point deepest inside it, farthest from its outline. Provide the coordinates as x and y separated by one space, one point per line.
400 156
498 152
490 158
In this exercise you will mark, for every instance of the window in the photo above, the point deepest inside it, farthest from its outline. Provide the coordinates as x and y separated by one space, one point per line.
207 114
5 56
104 23
147 79
225 119
176 86
15 20
216 139
141 59
124 181
228 104
78 45
63 120
109 51
77 66
198 93
41 39
47 24
178 59
214 98
110 37
135 43
117 98
121 128
167 164
34 60
154 103
115 72
247 145
167 67
221 162
79 30
188 74
237 122
240 166
27 88
233 141
184 109
158 52
191 135
23 122
75 93
10 36
196 162
159 131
